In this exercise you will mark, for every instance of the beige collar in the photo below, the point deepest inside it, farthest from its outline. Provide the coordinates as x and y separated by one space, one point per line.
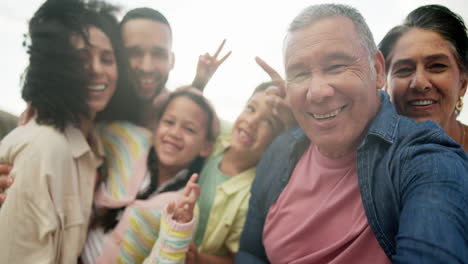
80 146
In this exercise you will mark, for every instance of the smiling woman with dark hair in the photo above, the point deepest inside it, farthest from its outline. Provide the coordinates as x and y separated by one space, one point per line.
73 72
427 68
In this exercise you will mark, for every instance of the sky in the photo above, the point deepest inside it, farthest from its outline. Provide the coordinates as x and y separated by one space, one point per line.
252 28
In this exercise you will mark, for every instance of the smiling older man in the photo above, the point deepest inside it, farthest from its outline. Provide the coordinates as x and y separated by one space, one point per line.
356 183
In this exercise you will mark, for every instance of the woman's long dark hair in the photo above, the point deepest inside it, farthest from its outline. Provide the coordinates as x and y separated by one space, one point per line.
55 82
125 104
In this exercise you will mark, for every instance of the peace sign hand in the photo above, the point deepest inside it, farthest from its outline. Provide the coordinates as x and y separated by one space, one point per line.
207 66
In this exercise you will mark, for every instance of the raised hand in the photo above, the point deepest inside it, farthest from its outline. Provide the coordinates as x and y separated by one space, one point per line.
207 66
274 75
182 209
5 181
277 95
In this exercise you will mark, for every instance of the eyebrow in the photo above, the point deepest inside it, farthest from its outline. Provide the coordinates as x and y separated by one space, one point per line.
401 62
436 57
108 52
136 47
427 58
170 115
104 50
293 68
335 56
339 56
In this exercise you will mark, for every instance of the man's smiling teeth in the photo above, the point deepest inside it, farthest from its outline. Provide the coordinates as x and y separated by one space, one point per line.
147 81
422 102
327 115
98 87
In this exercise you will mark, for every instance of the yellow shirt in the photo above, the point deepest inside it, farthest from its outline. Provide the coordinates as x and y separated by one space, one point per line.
227 215
229 209
46 215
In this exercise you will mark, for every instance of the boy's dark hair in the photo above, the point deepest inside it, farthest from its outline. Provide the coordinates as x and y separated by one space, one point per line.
262 87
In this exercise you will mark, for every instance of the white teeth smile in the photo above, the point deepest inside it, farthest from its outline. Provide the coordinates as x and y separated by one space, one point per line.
245 136
171 147
99 87
147 81
422 102
327 115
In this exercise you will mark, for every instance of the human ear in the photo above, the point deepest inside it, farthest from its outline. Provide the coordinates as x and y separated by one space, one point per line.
172 62
463 84
379 66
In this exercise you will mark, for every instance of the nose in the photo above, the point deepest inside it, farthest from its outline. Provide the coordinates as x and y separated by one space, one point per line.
175 131
147 63
420 81
318 90
96 66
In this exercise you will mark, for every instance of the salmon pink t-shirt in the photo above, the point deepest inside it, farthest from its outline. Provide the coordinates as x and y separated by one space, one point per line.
319 216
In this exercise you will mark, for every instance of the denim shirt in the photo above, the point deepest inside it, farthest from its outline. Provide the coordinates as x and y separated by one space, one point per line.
413 181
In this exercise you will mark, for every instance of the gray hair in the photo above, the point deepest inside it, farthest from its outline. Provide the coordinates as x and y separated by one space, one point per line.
315 13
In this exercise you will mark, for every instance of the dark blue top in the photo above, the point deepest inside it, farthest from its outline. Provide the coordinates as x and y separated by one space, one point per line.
413 181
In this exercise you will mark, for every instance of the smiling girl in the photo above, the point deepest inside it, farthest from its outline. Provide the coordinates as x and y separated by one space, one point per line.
141 167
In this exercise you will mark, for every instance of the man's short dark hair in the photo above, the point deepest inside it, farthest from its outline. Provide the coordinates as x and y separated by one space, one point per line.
145 13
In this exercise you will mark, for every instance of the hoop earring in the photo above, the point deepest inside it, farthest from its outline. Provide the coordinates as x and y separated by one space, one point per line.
459 105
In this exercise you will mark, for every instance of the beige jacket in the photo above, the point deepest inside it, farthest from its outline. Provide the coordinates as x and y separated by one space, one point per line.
46 215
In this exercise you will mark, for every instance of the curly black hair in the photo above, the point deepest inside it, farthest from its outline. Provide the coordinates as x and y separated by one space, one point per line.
55 81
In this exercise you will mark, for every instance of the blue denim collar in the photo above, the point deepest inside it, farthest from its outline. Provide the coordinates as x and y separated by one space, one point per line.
385 123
